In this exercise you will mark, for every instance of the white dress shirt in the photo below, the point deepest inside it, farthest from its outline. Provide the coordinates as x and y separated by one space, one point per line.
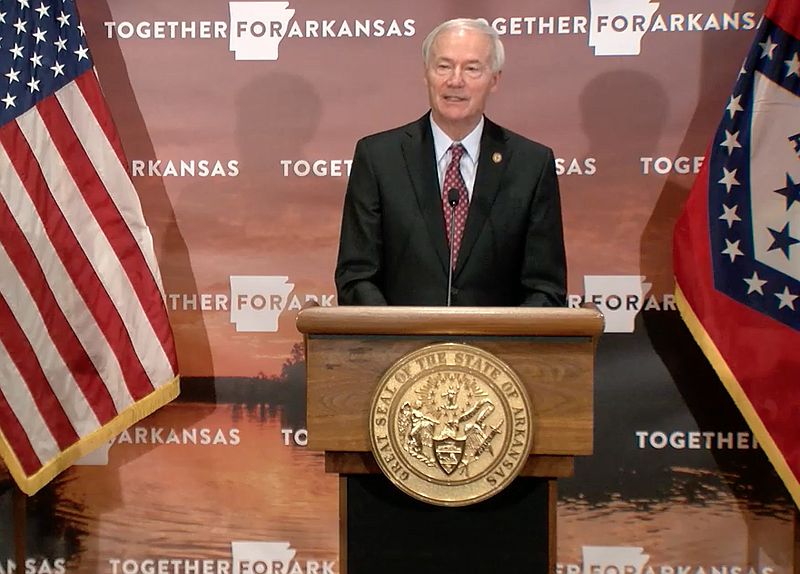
469 160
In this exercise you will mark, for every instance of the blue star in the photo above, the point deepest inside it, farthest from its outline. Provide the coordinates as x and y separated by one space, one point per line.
791 192
782 240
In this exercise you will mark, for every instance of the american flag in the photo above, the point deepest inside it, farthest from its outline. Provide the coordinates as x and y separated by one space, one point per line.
737 243
86 348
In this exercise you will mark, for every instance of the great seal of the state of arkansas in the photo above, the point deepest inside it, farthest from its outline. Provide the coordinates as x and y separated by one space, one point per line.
450 424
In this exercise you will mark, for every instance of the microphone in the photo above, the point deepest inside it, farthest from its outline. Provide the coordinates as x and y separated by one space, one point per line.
452 199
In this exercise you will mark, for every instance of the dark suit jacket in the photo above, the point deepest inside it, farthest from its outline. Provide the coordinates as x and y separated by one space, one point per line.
393 245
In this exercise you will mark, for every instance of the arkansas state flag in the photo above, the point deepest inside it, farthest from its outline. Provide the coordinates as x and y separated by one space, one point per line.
737 243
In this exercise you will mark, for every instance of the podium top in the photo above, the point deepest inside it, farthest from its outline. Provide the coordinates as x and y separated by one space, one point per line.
488 321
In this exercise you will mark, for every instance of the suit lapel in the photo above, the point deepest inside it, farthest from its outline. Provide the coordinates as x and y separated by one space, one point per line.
492 162
421 163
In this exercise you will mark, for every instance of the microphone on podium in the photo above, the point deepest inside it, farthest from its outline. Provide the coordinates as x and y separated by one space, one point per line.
452 199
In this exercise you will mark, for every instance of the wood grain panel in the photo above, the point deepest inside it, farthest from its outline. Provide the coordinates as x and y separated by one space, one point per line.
364 463
342 373
482 321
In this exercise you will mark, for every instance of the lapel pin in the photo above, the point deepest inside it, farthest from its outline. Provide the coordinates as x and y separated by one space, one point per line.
497 157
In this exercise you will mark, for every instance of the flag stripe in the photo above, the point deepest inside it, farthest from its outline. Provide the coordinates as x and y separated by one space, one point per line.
83 104
70 226
37 313
10 428
788 17
32 395
90 89
35 308
50 273
121 241
117 185
63 339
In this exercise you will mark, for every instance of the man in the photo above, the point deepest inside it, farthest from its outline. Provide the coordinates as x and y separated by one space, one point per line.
394 244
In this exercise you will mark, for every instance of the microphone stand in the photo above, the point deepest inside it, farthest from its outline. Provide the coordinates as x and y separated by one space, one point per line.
452 199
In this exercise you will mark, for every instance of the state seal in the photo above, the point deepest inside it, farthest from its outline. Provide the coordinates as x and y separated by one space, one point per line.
450 424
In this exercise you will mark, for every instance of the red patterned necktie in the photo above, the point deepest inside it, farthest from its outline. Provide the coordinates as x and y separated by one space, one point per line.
453 180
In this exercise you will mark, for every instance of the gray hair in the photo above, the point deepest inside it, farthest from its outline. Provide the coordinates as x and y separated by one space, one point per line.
497 54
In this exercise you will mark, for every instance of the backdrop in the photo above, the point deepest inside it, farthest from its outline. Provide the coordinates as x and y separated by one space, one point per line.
239 121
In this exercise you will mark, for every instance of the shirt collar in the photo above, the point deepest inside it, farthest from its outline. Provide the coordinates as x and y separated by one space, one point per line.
471 143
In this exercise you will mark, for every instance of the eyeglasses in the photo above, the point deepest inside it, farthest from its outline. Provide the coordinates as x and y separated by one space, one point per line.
472 70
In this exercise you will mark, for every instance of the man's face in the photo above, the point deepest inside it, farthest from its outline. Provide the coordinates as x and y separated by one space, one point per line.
459 78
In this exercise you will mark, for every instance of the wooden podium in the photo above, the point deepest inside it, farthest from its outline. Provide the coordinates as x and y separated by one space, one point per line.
383 530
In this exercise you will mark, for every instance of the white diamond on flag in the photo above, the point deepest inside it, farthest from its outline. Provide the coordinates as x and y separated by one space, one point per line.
772 159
